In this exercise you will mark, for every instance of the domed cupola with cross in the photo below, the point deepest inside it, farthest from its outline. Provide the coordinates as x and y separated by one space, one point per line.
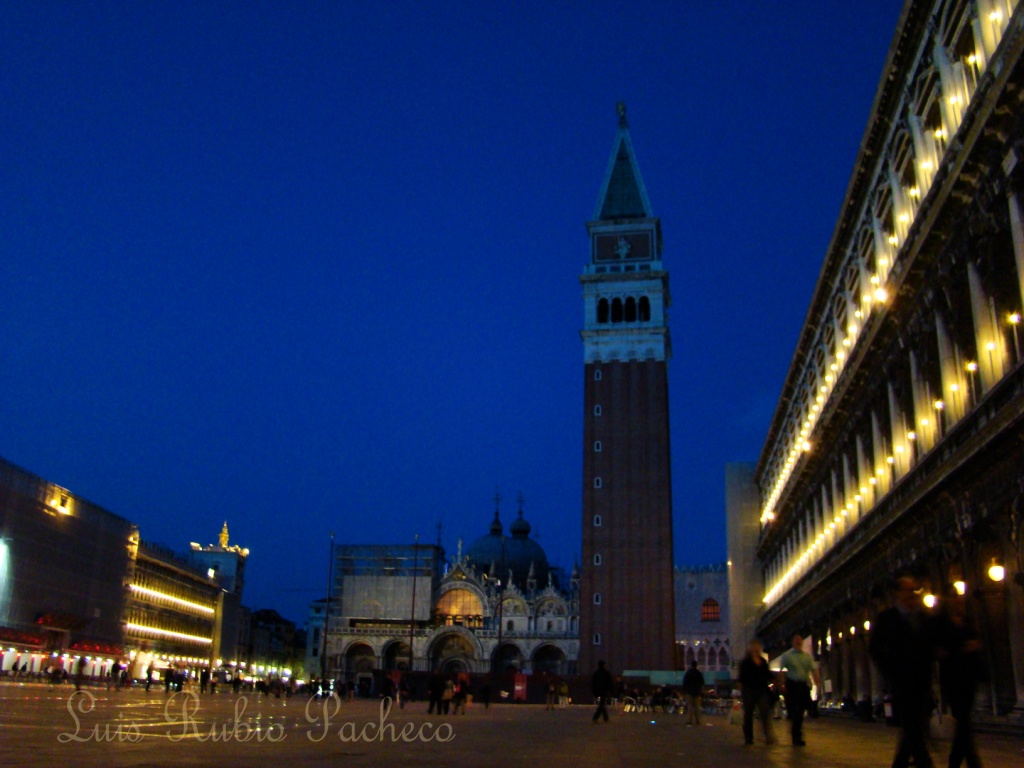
498 555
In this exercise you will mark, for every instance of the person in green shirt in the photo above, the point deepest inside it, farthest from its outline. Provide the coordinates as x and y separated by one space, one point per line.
797 673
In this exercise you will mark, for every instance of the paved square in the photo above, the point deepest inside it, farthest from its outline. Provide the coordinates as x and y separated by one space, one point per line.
132 728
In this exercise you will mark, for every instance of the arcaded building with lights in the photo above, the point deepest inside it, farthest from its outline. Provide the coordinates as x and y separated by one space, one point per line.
898 441
78 586
172 615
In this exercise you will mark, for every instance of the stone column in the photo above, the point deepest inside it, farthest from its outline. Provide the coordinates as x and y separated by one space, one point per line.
863 667
1017 231
1015 618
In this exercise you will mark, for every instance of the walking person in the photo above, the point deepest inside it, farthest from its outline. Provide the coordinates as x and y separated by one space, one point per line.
551 693
755 681
79 673
448 693
797 674
563 694
693 691
601 686
435 687
961 668
903 647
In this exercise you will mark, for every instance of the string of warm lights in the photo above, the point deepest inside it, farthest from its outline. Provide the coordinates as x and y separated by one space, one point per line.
176 600
167 633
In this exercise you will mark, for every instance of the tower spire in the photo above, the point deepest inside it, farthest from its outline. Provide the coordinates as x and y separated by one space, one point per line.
223 538
623 194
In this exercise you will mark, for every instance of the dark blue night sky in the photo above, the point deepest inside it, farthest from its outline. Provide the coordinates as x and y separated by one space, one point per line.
312 266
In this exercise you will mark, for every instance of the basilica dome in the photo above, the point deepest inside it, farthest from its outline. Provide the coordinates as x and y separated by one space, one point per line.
496 554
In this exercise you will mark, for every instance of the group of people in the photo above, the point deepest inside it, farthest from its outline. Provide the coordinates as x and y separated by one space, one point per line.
906 640
557 694
448 695
760 689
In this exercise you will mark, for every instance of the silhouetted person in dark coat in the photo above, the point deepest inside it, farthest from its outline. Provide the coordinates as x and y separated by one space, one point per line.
903 646
435 687
755 681
961 668
601 685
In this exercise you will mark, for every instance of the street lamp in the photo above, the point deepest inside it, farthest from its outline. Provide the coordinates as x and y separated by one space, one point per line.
327 613
1014 319
501 610
412 618
996 572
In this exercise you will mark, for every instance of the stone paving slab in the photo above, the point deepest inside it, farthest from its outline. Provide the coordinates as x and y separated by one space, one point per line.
42 726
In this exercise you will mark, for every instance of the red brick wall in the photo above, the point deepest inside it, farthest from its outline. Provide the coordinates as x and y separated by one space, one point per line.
636 617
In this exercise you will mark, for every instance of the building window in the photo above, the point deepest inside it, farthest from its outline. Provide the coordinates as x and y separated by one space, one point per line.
510 626
597 446
597 374
597 482
602 311
616 310
710 610
597 638
597 521
597 410
645 309
597 559
597 598
551 626
630 310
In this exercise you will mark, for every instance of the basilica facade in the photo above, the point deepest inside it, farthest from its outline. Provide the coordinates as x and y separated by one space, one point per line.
495 606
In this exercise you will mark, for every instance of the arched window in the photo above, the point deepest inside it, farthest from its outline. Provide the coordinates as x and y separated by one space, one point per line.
630 310
617 310
597 446
710 610
597 410
602 311
459 603
597 521
597 638
645 309
597 559
597 482
510 626
597 598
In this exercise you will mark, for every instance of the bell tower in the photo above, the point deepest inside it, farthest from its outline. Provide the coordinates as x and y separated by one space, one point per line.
627 607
